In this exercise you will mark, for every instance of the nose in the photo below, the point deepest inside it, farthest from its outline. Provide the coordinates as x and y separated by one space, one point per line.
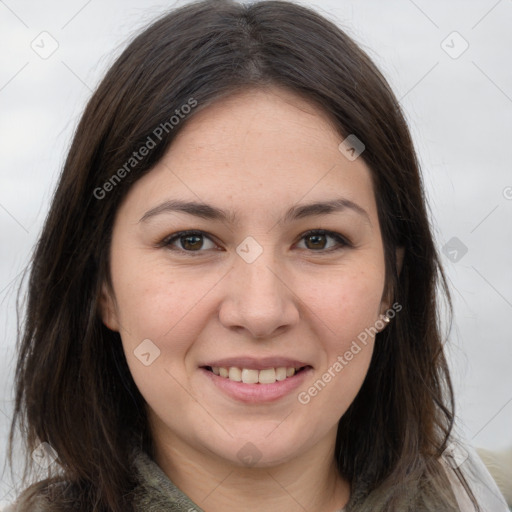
258 298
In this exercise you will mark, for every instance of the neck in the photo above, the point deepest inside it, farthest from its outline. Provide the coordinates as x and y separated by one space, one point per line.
311 481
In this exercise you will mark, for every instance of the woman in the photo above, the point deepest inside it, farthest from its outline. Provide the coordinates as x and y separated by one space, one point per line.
233 300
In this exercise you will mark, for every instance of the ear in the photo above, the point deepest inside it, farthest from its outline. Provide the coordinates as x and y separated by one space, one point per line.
108 310
387 300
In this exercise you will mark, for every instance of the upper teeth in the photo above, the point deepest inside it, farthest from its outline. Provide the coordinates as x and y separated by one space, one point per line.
249 376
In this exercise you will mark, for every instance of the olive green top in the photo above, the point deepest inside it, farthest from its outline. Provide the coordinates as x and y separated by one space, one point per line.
155 492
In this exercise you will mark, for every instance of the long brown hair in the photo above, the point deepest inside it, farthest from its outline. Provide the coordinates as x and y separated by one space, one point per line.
73 386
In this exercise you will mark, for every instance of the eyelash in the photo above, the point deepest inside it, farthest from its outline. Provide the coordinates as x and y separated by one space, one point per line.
169 240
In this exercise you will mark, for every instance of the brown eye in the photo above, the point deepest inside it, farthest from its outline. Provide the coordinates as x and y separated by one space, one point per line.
191 242
315 241
188 242
194 243
319 240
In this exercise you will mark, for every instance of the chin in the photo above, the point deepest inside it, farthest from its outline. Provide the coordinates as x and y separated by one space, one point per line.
260 451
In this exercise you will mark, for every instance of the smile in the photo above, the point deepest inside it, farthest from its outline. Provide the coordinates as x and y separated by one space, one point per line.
252 386
253 376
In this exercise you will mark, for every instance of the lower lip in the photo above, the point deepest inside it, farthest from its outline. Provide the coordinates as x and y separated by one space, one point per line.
257 393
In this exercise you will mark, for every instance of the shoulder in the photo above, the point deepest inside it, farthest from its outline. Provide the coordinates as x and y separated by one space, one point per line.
468 474
499 464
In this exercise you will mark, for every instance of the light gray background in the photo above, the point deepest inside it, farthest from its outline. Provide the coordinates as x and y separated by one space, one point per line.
459 111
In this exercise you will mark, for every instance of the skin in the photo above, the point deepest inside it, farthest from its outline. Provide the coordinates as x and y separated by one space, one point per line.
256 153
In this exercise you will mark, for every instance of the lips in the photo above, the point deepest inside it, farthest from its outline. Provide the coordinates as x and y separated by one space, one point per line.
252 363
251 392
253 379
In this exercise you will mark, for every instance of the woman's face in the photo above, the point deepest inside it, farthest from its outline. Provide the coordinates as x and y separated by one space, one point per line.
253 290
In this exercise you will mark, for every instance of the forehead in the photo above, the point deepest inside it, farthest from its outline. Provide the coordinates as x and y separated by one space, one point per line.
260 126
263 149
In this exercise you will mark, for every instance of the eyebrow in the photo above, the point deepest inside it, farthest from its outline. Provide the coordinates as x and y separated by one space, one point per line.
210 212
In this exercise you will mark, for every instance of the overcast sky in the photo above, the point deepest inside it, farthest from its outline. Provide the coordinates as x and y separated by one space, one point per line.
448 62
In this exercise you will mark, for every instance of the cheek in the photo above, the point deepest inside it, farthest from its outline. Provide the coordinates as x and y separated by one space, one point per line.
346 307
167 307
346 301
160 318
153 299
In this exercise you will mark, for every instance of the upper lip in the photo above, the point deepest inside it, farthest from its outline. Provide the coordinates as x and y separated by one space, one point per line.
253 363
